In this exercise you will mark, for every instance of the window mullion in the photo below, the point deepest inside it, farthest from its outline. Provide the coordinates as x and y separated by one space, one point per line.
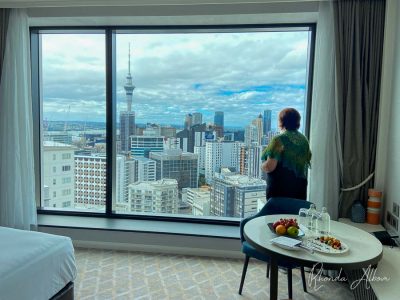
110 120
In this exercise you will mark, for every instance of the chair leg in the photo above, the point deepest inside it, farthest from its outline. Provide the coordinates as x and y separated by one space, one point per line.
303 278
289 283
268 267
246 262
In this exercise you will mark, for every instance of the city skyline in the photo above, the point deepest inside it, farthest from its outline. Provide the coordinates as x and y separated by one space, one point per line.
237 88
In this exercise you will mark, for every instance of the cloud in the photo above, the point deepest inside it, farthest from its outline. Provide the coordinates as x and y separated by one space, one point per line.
174 74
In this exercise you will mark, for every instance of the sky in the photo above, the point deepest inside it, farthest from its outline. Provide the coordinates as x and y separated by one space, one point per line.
241 74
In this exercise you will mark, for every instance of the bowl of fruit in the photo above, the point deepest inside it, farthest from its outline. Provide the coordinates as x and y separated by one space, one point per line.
288 227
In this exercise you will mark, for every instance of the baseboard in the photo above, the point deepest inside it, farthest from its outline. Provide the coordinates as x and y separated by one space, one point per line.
158 249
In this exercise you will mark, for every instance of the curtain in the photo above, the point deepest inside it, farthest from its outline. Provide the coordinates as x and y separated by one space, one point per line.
4 13
17 181
324 181
359 31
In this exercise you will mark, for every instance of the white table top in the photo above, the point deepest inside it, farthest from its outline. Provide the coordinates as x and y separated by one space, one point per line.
364 248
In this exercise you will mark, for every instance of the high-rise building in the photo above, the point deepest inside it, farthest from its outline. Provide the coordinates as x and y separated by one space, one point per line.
127 128
195 136
234 195
219 123
175 164
127 118
146 169
90 181
143 145
267 121
250 134
159 196
188 121
258 122
219 118
197 118
220 154
250 160
58 174
183 140
201 153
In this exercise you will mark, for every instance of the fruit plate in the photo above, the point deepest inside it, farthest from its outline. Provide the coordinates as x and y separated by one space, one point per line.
321 247
271 227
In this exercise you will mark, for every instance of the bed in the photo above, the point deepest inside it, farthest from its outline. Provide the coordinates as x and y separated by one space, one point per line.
35 265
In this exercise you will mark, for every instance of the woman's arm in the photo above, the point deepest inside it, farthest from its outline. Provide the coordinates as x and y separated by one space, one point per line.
269 165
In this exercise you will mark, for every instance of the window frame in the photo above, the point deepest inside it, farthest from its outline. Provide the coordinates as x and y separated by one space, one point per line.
111 107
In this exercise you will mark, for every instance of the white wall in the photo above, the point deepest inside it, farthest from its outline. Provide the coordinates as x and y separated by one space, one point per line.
388 158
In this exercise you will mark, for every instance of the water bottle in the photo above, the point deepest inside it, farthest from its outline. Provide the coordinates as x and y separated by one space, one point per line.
324 222
311 217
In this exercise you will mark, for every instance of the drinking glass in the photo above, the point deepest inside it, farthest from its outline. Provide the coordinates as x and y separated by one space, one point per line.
303 219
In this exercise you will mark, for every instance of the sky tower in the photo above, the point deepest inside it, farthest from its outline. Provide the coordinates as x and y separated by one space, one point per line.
129 87
127 118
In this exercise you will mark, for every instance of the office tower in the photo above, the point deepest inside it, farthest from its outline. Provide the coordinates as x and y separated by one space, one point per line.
195 136
235 195
188 121
250 134
197 118
258 122
199 200
219 118
127 118
58 174
219 123
267 121
175 164
159 196
183 140
143 145
220 154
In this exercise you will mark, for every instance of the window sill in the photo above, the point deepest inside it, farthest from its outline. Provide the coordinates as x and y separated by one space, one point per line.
142 226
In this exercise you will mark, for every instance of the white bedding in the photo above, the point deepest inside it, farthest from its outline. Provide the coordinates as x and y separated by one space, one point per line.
34 265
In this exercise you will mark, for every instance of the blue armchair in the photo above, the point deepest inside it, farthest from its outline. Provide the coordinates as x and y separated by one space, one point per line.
274 206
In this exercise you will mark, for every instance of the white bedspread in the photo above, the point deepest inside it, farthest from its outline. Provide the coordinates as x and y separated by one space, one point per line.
34 265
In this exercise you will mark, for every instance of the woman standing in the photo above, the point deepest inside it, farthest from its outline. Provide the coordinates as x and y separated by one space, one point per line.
287 159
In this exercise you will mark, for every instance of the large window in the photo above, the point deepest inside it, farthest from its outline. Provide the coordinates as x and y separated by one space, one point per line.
167 122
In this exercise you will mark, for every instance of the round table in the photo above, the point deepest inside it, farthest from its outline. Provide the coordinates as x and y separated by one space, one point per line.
364 249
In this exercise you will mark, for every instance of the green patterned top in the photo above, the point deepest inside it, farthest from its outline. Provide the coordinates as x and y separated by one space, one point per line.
292 150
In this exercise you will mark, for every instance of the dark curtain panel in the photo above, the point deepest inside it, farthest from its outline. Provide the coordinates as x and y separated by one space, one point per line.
359 30
4 14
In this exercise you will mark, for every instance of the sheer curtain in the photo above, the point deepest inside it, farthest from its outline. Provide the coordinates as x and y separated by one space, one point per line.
4 13
324 179
17 189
